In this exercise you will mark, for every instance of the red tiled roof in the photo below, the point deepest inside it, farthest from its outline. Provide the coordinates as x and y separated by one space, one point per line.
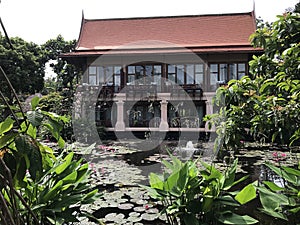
202 33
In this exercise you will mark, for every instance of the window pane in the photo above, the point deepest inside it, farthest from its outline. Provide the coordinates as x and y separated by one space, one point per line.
232 71
92 70
131 69
101 75
199 73
190 74
213 76
109 74
242 67
157 70
171 69
171 72
117 70
138 70
92 80
171 77
223 73
241 70
149 70
199 68
199 78
131 79
180 74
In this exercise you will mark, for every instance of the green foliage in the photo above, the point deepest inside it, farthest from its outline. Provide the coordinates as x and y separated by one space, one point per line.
265 106
282 201
199 196
36 186
67 74
24 66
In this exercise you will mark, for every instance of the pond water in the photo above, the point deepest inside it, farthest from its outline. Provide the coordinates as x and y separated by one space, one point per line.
119 169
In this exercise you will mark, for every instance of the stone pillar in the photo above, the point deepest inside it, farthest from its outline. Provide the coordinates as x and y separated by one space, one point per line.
164 126
120 125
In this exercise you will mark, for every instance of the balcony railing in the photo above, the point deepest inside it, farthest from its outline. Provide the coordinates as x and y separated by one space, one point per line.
107 91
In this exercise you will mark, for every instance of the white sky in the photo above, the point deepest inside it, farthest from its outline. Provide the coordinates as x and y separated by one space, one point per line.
41 20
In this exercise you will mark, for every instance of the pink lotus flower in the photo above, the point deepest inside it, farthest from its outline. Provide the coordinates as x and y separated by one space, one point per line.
278 156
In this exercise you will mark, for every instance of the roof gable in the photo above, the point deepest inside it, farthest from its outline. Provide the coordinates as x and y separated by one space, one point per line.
201 31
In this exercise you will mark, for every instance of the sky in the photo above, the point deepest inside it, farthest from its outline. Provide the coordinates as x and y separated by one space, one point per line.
41 20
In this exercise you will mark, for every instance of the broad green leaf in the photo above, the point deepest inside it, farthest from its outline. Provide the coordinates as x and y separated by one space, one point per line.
35 118
274 187
53 191
61 142
295 210
34 102
25 144
232 218
171 182
183 177
274 213
67 161
7 139
270 200
291 171
228 200
153 192
236 182
280 172
6 125
71 178
156 181
247 194
31 131
230 176
36 166
90 195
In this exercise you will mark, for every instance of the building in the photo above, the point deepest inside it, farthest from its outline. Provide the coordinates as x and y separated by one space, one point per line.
159 73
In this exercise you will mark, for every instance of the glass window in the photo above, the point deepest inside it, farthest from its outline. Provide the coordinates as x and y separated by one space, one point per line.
101 75
199 73
92 70
171 72
190 73
117 75
92 79
109 74
213 74
241 70
131 74
157 74
149 70
180 74
232 71
92 76
223 73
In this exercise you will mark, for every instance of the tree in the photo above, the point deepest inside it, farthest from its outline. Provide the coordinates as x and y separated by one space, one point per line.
265 105
24 65
67 74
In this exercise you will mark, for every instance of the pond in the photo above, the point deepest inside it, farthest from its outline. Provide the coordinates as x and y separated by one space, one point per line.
119 169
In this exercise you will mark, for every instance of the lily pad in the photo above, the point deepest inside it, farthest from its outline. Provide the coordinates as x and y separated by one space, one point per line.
139 209
133 214
125 206
149 217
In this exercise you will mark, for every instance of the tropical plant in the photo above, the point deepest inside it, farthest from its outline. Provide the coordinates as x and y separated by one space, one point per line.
264 106
281 199
199 196
38 187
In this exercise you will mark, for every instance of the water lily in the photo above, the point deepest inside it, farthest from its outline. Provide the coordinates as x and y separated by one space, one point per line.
277 157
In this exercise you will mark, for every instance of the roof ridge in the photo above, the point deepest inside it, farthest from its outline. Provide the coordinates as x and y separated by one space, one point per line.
175 16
